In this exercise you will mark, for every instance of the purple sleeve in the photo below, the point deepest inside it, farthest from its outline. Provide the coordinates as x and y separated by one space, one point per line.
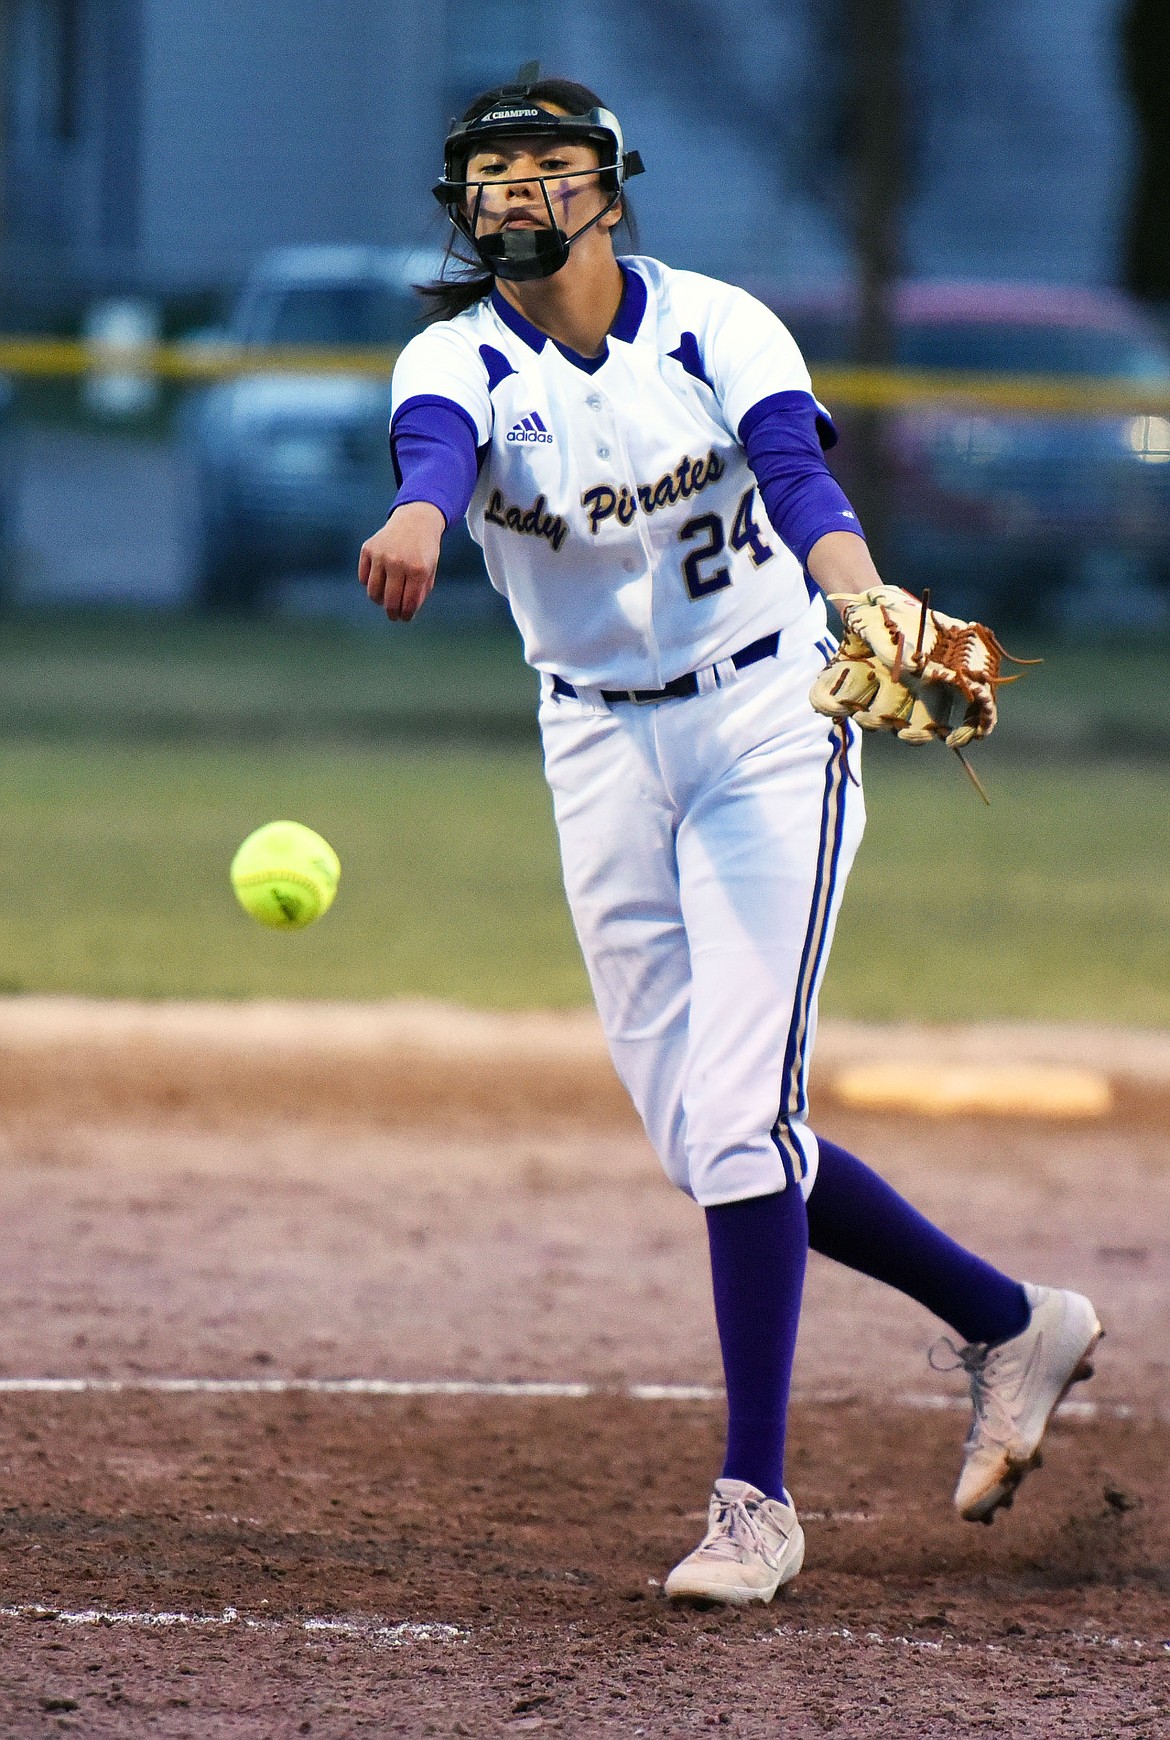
783 436
432 448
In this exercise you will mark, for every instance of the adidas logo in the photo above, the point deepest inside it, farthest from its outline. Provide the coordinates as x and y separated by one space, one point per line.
530 428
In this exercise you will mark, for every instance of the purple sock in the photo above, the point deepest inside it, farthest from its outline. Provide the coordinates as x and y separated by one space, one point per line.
758 1253
857 1219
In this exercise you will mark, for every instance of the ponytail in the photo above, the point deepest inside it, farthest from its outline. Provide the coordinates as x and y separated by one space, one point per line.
460 285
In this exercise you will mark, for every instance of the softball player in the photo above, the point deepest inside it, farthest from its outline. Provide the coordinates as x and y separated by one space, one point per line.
639 452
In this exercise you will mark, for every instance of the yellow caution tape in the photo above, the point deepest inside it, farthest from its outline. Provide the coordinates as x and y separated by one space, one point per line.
187 362
850 387
1039 395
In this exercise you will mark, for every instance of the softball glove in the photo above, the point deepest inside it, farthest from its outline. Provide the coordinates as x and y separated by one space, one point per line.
906 668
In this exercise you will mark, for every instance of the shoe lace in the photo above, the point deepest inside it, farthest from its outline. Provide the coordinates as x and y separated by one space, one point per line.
985 1366
732 1531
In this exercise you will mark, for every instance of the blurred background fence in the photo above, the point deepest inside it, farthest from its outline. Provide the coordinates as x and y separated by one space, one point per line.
211 217
979 187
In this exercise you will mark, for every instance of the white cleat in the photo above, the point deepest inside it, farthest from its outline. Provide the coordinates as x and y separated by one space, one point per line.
752 1545
1016 1387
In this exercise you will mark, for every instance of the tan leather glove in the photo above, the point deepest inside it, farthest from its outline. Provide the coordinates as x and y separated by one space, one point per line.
904 667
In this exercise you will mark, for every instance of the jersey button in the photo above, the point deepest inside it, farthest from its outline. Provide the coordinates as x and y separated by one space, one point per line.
594 401
603 453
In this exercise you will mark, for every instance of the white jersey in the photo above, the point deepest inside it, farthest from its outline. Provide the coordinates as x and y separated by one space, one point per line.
615 506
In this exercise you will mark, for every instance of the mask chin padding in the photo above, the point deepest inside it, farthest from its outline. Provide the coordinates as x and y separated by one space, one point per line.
521 255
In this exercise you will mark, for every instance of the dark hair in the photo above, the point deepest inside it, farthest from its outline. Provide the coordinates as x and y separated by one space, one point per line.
452 292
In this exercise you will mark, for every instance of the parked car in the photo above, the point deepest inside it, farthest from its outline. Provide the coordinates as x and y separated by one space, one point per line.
291 472
999 510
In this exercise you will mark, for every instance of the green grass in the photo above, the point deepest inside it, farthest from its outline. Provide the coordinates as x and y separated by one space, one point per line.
1054 903
136 751
113 875
126 675
276 680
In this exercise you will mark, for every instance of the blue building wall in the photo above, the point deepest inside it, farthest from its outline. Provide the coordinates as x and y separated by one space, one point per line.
1026 141
208 130
1019 133
273 121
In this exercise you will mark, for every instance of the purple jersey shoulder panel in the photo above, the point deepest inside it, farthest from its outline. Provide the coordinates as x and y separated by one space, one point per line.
689 355
497 365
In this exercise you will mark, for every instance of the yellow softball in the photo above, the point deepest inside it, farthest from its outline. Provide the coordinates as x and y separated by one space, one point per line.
285 875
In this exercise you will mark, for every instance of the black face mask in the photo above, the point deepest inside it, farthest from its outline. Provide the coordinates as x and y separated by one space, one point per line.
520 254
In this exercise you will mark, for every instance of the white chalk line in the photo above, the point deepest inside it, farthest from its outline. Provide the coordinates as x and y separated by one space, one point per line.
914 1401
956 1646
842 1516
301 1386
363 1630
409 1632
1069 1409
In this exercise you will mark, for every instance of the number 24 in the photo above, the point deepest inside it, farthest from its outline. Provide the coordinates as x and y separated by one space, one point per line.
745 535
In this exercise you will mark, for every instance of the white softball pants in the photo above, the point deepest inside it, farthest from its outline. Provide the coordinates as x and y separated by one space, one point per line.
705 844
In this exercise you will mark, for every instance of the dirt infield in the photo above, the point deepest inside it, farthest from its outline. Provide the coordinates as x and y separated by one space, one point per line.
223 1202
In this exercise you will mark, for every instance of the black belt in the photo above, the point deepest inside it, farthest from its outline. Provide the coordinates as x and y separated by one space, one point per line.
764 648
